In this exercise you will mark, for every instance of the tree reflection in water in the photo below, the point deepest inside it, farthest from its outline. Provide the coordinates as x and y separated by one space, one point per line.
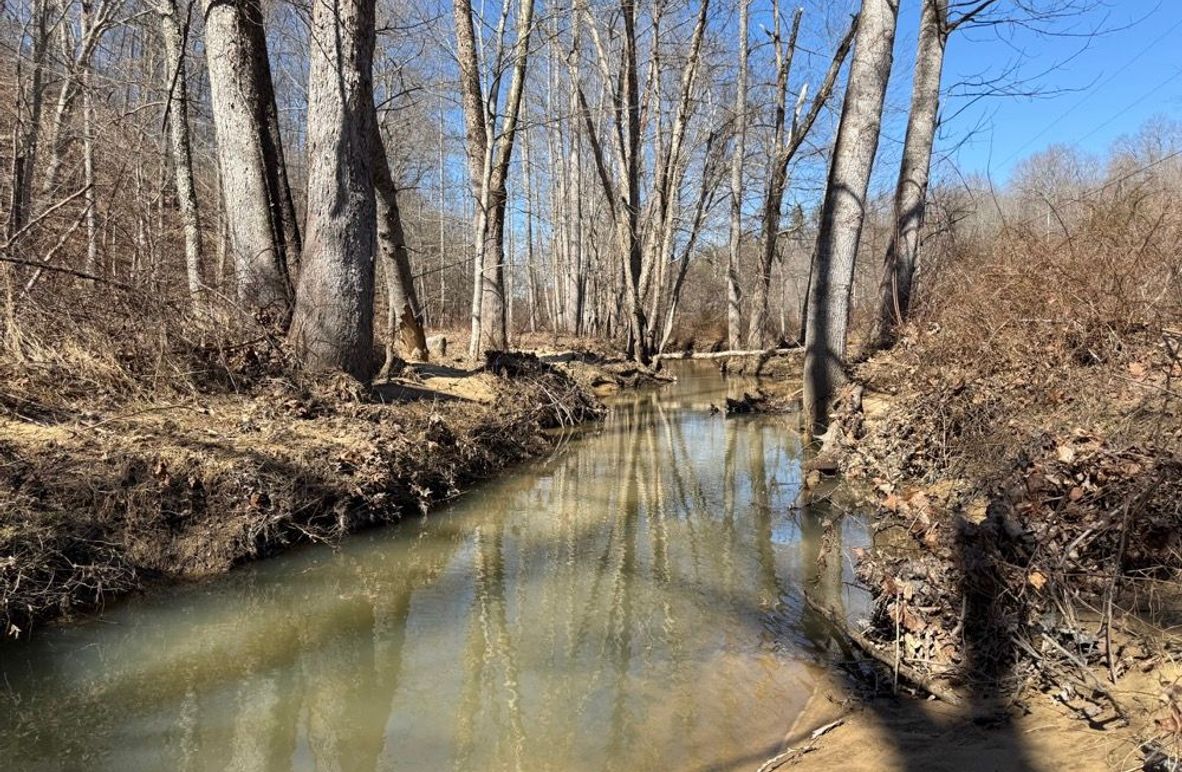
635 602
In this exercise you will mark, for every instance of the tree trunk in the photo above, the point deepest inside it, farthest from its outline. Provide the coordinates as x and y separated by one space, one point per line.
263 233
476 143
638 346
404 316
902 255
92 253
24 160
777 179
576 270
844 208
332 326
490 152
734 292
180 146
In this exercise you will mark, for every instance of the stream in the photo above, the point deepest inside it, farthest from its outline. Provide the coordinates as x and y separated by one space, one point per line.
633 602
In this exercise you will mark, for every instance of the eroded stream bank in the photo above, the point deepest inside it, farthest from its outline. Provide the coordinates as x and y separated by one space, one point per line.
634 602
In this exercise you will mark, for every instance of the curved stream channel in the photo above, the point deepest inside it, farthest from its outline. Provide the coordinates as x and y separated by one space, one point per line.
634 602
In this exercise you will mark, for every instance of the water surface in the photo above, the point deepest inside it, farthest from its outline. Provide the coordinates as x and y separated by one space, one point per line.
632 603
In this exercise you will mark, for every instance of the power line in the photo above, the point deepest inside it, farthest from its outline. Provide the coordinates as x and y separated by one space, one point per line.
1092 92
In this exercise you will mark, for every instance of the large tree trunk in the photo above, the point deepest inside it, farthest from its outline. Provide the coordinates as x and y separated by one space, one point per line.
844 208
734 292
263 233
638 338
180 146
332 327
476 143
404 316
902 255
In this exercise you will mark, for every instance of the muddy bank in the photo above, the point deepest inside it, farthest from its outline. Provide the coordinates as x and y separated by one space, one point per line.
1027 552
103 503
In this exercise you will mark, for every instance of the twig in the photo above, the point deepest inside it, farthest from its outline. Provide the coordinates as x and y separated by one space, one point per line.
944 693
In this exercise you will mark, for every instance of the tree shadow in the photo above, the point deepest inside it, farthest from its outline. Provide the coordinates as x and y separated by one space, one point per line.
980 733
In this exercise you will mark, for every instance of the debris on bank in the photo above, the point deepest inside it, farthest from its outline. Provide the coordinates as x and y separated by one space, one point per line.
98 504
1028 537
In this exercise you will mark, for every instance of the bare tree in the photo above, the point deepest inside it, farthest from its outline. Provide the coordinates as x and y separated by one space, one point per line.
30 104
173 32
332 325
785 145
490 154
264 235
844 208
901 261
734 293
404 316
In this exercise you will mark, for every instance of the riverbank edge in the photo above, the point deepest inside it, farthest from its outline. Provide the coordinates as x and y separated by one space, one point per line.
110 505
924 507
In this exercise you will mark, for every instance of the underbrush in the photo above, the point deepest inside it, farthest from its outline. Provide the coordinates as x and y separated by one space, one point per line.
98 348
148 443
1025 440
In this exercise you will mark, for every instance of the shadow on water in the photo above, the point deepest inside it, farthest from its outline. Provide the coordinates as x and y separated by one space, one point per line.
637 602
975 736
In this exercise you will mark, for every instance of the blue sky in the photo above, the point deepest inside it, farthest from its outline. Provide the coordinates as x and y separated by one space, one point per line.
1110 85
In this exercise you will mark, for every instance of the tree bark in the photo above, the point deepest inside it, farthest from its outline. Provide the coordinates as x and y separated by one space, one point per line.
181 147
490 156
734 292
776 182
844 208
629 106
404 315
30 106
264 237
476 143
332 326
902 255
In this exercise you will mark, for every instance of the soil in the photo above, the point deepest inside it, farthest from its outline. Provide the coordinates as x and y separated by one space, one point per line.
901 734
98 504
1026 559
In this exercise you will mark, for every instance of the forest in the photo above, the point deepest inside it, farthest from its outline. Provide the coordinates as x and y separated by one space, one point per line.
275 272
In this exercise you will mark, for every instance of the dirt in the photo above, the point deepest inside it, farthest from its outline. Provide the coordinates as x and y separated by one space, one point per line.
99 504
1026 555
901 734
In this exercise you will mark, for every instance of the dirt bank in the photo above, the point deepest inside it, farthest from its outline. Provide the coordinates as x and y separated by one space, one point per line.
101 502
1028 541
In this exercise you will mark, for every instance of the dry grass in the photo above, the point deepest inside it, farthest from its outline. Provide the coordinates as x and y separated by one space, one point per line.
141 441
1029 457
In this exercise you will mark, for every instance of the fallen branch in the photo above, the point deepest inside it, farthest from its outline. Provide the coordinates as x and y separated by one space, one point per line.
888 659
779 760
776 352
68 272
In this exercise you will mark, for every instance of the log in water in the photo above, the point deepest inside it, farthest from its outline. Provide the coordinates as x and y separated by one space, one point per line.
634 603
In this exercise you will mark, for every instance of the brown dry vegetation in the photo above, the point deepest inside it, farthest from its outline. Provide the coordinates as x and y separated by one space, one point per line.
139 441
1024 439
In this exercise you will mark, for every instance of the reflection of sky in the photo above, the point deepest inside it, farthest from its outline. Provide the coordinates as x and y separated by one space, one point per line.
632 603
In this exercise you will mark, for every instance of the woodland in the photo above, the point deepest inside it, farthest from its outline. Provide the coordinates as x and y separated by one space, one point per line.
240 236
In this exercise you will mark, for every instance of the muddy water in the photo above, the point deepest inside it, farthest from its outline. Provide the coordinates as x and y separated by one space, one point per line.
632 603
